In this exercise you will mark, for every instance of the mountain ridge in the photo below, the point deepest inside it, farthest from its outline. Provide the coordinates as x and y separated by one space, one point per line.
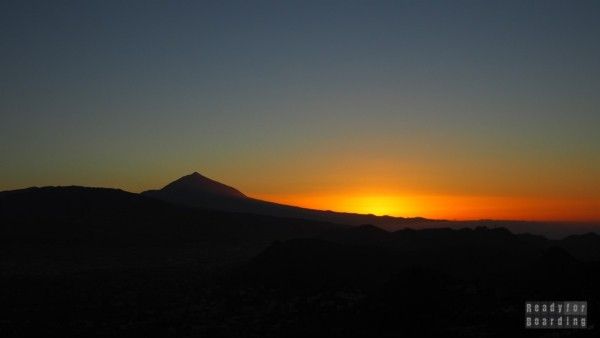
211 194
232 200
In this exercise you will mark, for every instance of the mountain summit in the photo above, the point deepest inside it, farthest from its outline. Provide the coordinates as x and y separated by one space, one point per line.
198 191
196 183
195 190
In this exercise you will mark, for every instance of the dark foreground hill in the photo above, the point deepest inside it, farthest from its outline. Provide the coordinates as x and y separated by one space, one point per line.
76 223
93 262
363 282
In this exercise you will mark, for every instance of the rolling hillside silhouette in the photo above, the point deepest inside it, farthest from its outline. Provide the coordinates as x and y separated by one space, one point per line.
61 218
97 262
102 223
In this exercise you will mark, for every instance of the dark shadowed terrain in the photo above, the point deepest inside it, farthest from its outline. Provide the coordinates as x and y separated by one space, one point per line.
195 190
94 262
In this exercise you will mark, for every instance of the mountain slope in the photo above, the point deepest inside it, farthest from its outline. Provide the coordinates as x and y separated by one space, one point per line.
108 222
196 183
195 190
198 191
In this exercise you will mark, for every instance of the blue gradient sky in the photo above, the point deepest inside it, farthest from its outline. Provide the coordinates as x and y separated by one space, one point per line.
304 101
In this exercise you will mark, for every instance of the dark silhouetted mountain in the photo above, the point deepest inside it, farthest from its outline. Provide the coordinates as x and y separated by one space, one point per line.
463 252
409 240
365 234
195 187
198 191
585 246
196 183
195 190
108 220
554 230
94 262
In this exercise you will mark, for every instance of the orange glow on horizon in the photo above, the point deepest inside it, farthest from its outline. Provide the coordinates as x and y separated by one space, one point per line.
449 207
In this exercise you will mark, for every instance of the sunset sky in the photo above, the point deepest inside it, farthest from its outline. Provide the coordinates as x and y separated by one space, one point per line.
443 109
